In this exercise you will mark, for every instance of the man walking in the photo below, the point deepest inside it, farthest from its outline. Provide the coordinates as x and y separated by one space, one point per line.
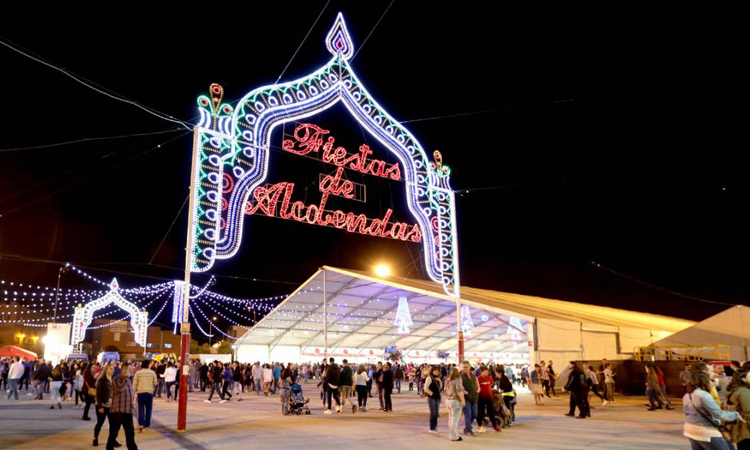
257 378
346 380
39 379
578 389
551 375
332 379
544 376
471 395
144 382
15 373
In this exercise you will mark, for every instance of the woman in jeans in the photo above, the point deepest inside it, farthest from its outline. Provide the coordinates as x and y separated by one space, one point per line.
360 381
103 400
57 382
703 415
433 386
454 395
609 383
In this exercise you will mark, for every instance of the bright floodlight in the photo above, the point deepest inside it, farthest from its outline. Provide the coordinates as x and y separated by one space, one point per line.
382 270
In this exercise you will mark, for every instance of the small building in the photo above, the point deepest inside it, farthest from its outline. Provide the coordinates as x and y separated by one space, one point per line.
113 335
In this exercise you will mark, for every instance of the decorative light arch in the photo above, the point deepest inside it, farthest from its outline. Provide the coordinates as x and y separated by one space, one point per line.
84 315
233 152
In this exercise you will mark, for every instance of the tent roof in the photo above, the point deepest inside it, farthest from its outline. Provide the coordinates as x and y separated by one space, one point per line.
362 308
8 351
730 327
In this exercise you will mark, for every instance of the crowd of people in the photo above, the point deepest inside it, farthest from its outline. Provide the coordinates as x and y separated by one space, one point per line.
716 402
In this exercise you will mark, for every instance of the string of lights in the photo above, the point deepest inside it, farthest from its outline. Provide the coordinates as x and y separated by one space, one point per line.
195 320
63 316
209 320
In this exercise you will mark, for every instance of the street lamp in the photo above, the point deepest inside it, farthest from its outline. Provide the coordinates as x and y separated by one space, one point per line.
210 328
382 270
57 292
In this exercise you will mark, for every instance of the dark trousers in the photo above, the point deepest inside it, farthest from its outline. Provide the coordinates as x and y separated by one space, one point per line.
335 394
89 400
4 381
361 396
388 406
227 388
552 386
545 385
215 387
595 390
100 418
577 399
145 406
169 389
485 406
369 387
124 420
204 383
653 398
159 388
380 397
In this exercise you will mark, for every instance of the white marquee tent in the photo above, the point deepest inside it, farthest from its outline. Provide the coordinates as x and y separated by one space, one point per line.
361 309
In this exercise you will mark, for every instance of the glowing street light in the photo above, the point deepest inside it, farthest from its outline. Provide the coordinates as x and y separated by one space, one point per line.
382 270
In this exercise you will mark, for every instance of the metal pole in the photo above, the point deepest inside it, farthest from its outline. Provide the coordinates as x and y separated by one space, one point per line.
57 293
325 318
457 279
210 331
185 326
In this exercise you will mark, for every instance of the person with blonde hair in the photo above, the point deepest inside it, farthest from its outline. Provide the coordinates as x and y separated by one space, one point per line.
454 396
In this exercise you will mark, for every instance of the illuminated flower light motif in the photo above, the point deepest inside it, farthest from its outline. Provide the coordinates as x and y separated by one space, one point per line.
515 329
403 317
233 152
84 315
466 323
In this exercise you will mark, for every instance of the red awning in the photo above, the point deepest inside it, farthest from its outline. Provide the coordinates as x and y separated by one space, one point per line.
13 350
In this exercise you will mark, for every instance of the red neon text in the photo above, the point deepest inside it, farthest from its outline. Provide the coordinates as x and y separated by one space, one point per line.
308 138
275 200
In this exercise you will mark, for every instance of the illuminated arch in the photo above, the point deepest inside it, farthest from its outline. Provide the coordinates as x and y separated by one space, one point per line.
233 155
85 314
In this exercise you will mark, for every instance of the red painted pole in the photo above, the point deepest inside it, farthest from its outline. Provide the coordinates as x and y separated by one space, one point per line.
460 347
184 380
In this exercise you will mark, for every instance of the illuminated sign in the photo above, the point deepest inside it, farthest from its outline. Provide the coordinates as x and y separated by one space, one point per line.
232 148
83 315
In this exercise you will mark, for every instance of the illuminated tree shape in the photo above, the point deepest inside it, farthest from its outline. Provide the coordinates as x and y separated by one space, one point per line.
84 315
515 329
178 301
233 152
403 317
466 323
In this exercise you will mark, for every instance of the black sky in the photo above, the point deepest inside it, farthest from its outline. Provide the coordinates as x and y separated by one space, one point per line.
610 134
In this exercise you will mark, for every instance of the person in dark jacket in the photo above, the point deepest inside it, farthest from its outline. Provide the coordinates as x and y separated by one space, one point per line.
377 375
39 378
204 377
578 389
387 386
103 400
228 378
332 380
398 374
217 374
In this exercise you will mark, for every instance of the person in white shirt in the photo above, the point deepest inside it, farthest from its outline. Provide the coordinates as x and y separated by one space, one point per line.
257 378
170 376
14 377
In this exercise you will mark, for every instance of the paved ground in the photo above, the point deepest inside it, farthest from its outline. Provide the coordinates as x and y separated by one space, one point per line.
257 422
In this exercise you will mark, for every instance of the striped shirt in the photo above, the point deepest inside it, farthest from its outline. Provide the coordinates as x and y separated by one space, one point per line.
122 397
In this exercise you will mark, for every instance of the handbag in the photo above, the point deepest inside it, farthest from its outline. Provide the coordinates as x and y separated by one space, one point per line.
725 433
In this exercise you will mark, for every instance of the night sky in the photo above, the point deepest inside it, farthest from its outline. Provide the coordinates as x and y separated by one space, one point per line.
581 136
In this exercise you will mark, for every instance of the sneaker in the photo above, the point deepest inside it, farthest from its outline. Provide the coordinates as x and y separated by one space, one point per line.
327 411
223 401
569 414
52 407
497 430
457 440
433 431
338 409
481 430
206 401
59 405
354 409
604 402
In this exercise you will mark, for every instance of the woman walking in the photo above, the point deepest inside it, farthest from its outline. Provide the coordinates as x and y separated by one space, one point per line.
454 395
57 382
433 386
89 389
170 377
360 381
121 411
703 417
536 384
103 400
609 383
739 397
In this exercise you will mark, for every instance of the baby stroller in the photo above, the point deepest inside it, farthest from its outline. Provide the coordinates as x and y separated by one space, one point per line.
297 401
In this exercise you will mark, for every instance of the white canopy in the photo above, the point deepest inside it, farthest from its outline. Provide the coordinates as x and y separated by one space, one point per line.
361 310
